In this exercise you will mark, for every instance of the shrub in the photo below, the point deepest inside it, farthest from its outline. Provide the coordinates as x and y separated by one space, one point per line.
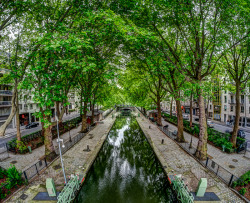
14 176
21 146
2 173
242 191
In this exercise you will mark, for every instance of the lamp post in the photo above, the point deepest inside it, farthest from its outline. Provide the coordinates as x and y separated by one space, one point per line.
59 144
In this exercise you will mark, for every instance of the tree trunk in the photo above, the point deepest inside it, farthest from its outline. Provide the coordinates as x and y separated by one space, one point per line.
57 109
180 136
12 113
18 133
171 106
50 153
81 108
201 151
84 118
159 112
42 123
237 116
92 113
191 111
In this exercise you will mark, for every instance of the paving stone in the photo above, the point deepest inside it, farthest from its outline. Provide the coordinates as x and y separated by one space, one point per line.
73 158
179 162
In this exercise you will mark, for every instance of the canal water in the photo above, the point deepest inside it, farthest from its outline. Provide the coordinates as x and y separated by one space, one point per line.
126 170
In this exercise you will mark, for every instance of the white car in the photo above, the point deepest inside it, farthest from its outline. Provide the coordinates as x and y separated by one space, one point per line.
185 116
210 124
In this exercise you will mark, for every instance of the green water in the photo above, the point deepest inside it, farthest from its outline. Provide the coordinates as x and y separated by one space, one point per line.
126 170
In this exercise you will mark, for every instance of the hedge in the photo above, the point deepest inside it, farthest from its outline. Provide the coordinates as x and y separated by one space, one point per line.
219 139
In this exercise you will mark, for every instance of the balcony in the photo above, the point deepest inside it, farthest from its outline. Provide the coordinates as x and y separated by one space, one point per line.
6 93
5 103
234 102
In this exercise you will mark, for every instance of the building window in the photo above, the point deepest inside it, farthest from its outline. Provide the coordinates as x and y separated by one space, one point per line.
20 106
242 109
249 109
225 99
242 99
225 91
210 106
232 108
37 106
31 106
225 107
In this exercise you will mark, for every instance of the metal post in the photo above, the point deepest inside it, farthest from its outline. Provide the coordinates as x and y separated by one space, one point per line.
218 170
60 150
207 161
231 179
45 162
36 169
25 175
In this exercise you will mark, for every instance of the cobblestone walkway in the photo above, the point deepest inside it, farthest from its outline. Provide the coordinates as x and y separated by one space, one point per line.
177 161
24 161
236 164
76 161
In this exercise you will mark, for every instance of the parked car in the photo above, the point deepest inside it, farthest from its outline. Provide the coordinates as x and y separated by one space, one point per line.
210 124
185 116
31 125
196 119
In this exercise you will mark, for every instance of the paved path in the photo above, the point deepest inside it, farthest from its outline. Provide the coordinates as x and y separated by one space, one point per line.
24 161
225 160
177 161
76 161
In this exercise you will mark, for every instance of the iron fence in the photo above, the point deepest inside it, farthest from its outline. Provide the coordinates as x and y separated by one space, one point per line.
38 166
218 170
34 169
247 149
4 154
69 143
230 179
107 114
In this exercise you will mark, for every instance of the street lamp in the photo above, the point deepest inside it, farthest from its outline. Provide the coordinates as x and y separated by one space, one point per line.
59 144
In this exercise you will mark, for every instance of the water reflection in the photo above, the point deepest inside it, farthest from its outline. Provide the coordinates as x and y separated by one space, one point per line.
126 170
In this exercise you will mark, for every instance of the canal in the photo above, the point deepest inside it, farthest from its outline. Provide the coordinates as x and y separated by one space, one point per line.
126 170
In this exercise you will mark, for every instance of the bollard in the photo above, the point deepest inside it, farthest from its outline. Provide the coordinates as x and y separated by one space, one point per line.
88 148
149 127
162 141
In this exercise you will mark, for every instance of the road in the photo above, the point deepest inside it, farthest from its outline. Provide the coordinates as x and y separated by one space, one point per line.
24 131
222 128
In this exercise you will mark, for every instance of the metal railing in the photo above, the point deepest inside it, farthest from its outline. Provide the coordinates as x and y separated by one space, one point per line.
8 92
69 143
5 103
215 168
34 169
4 154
